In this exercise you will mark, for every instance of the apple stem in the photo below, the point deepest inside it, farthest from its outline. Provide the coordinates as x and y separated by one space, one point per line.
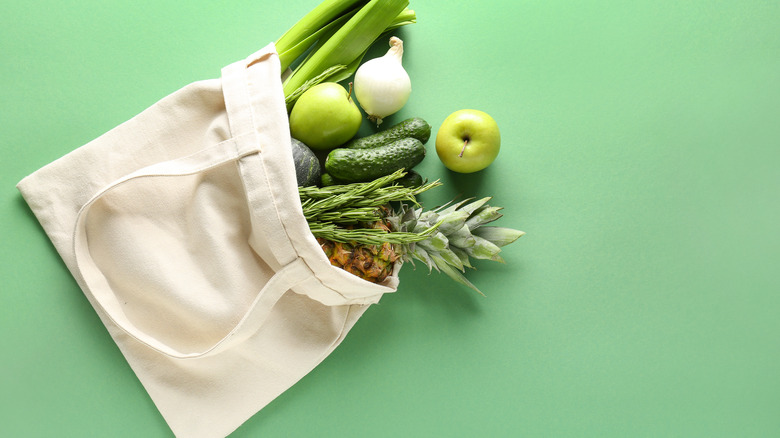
465 143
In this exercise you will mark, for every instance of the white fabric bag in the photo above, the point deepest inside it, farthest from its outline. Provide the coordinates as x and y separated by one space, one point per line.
184 229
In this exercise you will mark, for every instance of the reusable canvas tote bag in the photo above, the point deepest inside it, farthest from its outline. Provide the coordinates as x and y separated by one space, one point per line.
184 229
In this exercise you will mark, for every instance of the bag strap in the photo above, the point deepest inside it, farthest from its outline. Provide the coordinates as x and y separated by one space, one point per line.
96 285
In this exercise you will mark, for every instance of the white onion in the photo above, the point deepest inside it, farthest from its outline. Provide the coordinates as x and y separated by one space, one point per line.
382 86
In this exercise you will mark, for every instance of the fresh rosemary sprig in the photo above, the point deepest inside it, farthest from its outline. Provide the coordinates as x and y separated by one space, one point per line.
361 189
348 216
367 236
329 209
348 197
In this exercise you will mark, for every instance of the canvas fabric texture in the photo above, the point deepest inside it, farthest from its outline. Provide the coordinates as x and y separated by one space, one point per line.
184 229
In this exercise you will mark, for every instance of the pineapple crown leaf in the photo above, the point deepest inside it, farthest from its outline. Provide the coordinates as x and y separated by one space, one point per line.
470 208
453 222
484 249
463 256
483 216
462 238
499 236
453 273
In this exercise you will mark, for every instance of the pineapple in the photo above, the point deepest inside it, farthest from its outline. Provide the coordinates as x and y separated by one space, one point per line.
368 261
360 233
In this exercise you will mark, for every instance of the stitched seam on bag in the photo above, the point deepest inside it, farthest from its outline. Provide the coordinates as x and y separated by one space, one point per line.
275 204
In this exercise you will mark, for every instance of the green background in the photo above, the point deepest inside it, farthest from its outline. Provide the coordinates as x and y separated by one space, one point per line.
641 154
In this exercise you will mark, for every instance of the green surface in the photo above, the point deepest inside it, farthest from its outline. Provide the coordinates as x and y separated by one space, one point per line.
641 154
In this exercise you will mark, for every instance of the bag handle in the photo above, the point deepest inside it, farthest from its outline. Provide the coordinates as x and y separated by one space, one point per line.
97 285
244 146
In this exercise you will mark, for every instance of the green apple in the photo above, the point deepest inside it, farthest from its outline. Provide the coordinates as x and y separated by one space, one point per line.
468 141
325 116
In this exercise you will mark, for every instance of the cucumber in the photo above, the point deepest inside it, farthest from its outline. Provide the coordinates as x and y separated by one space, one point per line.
328 180
414 127
412 179
357 165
